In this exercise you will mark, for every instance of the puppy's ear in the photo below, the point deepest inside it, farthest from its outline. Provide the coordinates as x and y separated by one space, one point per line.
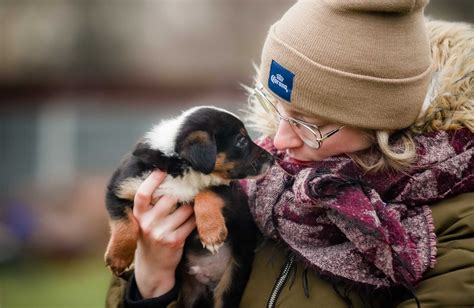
146 155
199 149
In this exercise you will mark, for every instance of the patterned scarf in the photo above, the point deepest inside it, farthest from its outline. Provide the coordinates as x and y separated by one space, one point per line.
369 229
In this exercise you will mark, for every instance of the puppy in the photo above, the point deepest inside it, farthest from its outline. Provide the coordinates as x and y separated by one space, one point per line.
202 151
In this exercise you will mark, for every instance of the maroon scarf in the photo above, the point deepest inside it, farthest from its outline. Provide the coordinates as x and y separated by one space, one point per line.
370 229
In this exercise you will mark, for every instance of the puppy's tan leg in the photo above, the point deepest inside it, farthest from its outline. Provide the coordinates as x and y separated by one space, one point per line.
122 243
224 284
191 290
210 220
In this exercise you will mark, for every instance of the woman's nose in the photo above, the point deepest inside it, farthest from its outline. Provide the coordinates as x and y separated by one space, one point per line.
286 138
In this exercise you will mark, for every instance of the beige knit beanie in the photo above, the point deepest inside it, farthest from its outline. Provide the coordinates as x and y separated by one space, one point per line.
364 63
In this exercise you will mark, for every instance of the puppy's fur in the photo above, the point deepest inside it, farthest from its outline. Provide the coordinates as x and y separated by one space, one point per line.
202 150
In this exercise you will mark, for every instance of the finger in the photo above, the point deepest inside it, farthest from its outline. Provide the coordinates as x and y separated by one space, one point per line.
143 196
185 229
164 206
157 215
179 217
173 238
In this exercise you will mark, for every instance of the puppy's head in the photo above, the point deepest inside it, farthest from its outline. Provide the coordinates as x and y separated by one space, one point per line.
210 140
215 141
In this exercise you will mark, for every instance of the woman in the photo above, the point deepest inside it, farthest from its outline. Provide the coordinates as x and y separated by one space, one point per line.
370 111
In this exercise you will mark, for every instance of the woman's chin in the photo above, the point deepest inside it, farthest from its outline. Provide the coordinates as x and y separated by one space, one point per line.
297 160
301 158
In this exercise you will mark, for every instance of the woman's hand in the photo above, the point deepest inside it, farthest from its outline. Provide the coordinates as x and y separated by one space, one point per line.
163 230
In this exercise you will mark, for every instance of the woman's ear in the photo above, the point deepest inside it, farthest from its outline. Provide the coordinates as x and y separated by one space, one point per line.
199 149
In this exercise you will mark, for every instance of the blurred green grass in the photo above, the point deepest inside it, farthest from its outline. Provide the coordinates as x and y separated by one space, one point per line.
80 283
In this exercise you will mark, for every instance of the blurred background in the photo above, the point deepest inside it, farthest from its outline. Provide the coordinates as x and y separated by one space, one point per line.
80 82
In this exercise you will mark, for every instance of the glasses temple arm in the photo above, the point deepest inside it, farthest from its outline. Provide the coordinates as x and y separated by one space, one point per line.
329 134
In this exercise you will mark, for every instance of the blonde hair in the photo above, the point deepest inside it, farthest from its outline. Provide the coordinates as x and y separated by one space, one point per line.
387 153
449 103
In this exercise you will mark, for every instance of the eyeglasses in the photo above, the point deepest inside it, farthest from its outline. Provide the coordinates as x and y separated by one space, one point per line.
309 133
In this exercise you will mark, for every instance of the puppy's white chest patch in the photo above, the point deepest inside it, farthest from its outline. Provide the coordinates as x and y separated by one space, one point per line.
187 186
184 188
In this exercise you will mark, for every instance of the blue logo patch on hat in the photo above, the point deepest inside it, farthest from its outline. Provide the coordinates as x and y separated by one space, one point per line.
280 81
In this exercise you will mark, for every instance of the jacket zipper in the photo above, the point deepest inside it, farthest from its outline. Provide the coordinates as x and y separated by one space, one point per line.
281 281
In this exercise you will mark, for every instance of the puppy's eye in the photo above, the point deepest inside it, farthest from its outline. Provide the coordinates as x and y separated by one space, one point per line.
242 142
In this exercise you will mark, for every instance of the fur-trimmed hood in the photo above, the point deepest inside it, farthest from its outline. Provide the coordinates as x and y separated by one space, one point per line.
449 103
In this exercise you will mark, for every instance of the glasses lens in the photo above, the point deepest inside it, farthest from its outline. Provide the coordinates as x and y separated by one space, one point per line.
309 136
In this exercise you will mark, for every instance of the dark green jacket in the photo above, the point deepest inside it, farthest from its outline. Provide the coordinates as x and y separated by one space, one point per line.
449 284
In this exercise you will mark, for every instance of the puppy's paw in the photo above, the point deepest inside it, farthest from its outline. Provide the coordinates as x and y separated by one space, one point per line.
122 244
213 237
210 221
118 264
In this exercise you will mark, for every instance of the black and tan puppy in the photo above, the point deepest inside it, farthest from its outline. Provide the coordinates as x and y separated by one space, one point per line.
202 151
